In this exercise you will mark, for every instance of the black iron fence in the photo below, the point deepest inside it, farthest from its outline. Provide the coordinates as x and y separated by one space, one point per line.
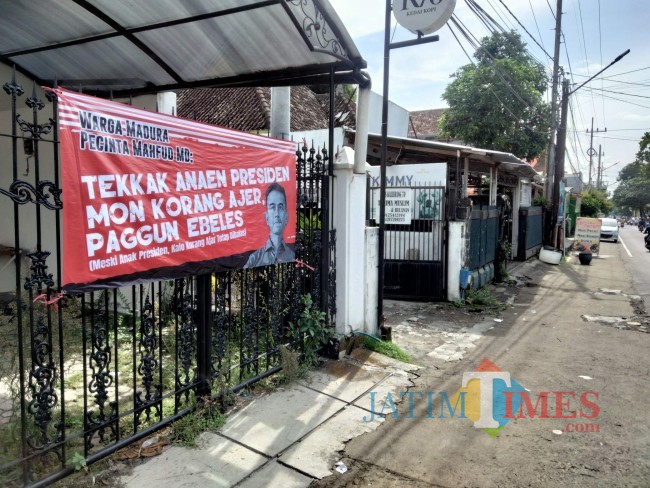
84 375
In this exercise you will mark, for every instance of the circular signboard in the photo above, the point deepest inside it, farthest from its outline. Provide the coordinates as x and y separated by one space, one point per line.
423 16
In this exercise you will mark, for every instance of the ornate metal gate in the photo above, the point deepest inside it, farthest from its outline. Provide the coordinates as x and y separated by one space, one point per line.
87 374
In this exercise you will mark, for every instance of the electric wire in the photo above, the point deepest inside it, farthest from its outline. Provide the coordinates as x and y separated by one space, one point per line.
526 30
600 43
504 19
508 82
584 45
455 22
621 100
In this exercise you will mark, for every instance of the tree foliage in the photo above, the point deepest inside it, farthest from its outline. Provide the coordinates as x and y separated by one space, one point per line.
498 103
633 192
595 202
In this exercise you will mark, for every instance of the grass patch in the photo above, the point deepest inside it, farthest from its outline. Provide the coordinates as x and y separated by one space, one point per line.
389 349
483 298
207 418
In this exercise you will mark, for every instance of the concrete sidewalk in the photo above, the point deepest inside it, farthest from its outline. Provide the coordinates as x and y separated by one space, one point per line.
287 438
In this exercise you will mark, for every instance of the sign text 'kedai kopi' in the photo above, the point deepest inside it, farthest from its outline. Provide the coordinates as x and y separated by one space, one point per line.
150 196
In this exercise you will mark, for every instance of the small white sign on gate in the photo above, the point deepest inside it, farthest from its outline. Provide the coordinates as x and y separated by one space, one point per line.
399 205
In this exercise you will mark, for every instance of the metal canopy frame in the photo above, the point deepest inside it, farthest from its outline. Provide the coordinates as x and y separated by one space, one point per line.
308 31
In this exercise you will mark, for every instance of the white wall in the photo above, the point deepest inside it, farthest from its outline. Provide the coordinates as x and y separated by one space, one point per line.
351 265
398 117
457 250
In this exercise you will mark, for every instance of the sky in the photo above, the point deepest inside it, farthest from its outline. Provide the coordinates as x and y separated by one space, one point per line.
595 32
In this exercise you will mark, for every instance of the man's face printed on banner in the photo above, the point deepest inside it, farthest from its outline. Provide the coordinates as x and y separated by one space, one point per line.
276 213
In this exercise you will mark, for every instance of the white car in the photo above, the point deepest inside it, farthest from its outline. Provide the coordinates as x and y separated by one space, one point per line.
609 229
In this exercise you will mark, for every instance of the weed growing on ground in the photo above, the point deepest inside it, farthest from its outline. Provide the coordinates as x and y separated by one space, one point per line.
483 298
312 326
389 349
206 418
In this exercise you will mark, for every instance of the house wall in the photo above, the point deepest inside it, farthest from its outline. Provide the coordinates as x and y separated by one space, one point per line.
398 117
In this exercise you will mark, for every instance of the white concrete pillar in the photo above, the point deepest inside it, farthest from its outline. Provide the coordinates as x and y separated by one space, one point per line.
465 177
494 177
371 280
455 252
280 112
349 222
361 138
166 103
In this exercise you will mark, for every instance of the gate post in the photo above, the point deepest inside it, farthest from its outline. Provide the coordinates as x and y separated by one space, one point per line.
204 334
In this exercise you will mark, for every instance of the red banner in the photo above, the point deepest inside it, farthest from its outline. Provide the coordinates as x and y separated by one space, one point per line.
150 196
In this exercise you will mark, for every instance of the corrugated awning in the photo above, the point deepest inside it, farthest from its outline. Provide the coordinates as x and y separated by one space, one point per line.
144 46
504 161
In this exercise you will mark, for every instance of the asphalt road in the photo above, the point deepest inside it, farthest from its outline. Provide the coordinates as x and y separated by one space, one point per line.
636 259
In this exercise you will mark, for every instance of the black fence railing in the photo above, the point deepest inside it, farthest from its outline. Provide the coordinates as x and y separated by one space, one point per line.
83 375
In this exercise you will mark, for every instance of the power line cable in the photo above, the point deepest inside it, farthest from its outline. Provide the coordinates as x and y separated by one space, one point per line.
517 118
526 30
584 45
474 43
491 29
600 43
619 93
536 24
551 9
504 19
620 100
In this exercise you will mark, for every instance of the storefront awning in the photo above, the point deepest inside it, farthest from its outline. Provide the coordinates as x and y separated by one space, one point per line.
505 162
145 46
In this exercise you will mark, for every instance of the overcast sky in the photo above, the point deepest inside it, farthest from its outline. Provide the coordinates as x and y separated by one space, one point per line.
596 31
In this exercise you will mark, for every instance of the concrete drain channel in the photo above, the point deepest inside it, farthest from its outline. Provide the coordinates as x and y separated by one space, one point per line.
640 321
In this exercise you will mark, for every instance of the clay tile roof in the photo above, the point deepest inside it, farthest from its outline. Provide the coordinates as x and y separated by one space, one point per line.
345 109
425 123
249 109
236 108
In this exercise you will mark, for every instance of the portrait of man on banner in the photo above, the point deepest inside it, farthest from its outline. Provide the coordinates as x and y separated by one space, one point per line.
275 250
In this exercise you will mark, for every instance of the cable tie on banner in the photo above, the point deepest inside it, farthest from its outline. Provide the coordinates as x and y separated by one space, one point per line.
42 298
302 264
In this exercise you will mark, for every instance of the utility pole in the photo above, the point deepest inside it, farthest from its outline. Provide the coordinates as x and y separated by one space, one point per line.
561 137
559 161
550 162
599 179
591 152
